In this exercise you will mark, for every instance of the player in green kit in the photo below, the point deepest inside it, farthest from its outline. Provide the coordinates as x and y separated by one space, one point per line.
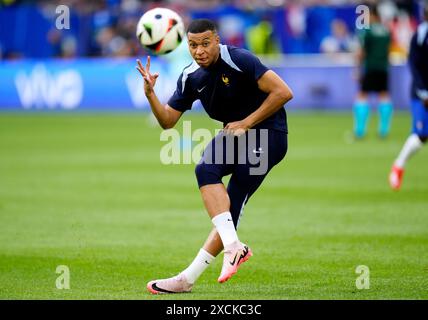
373 64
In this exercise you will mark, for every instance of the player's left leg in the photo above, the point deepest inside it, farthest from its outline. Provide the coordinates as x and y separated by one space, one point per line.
385 110
412 145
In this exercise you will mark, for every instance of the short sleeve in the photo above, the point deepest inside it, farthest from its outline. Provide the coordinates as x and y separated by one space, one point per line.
248 63
182 100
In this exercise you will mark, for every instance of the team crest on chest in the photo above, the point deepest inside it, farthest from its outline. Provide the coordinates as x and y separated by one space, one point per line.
225 79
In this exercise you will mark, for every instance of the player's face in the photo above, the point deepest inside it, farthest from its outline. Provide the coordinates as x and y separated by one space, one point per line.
204 47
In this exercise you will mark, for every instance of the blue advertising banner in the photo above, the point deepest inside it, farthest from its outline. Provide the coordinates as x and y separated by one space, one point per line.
115 84
96 84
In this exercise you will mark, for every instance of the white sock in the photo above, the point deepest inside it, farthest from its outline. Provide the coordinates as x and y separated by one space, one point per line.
195 269
412 144
225 227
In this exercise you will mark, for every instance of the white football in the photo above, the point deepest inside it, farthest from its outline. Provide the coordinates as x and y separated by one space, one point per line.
160 30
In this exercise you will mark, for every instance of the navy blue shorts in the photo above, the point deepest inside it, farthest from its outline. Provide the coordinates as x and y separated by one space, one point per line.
248 159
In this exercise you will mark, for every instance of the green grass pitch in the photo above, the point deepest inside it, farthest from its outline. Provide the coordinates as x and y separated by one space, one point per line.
88 191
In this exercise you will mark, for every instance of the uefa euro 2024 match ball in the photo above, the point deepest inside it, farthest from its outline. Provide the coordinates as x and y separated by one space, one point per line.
160 30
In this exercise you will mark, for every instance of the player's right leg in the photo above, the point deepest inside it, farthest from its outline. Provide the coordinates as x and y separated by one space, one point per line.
216 200
176 284
184 281
385 110
218 160
235 253
242 185
361 112
413 143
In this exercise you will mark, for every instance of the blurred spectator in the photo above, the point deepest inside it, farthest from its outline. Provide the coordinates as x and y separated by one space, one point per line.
7 2
402 28
340 40
63 45
112 43
69 47
231 30
260 38
107 27
54 39
296 19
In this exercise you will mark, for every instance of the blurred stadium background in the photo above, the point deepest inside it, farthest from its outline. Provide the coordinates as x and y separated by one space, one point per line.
81 183
47 68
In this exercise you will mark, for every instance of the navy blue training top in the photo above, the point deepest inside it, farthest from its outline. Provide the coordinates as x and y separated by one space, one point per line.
227 89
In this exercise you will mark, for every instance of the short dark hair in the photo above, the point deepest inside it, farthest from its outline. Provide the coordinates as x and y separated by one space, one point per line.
201 25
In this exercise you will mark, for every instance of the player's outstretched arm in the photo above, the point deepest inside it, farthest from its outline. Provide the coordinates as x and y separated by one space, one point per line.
166 116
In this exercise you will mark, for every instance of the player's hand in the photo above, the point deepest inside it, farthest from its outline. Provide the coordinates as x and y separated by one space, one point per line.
149 79
236 128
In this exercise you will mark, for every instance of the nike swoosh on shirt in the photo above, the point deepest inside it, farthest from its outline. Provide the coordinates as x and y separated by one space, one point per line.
200 90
